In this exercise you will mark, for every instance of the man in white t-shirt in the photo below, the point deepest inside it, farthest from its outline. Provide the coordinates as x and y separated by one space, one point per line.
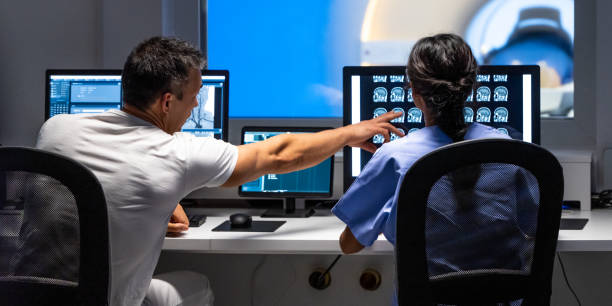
145 166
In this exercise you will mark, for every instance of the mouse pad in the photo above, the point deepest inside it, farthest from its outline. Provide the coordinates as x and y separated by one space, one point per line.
256 226
573 224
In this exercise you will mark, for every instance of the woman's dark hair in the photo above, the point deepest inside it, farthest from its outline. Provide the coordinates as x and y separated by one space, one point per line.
442 70
156 66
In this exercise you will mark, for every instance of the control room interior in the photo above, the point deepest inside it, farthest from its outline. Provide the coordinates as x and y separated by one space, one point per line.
285 61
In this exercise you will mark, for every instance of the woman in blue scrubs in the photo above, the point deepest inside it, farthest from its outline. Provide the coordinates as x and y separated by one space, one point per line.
442 72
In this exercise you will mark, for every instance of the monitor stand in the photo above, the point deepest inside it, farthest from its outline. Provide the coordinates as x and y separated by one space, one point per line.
288 211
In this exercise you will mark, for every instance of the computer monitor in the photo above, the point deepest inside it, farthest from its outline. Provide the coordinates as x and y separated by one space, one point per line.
316 181
504 97
96 91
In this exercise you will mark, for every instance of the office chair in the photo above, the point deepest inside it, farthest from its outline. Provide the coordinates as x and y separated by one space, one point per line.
477 224
54 246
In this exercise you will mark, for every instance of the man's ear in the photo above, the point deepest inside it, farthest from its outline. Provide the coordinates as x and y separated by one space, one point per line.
165 102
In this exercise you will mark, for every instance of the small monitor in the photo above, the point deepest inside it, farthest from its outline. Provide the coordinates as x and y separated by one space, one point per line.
313 182
504 97
97 91
82 91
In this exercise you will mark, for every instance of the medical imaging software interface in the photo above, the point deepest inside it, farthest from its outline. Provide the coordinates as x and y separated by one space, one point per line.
203 117
500 99
76 94
315 180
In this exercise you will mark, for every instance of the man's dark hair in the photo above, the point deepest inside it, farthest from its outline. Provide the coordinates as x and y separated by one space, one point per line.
442 70
156 66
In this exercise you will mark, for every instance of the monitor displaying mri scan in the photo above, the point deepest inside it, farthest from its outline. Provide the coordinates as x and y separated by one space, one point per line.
506 98
81 91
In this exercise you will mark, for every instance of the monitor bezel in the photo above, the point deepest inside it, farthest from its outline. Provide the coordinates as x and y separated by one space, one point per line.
300 129
77 72
225 102
348 71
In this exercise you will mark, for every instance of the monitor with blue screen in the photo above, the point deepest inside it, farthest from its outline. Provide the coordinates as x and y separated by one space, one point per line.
316 181
504 97
96 91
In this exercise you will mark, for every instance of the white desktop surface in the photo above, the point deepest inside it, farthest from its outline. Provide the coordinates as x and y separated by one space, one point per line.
319 235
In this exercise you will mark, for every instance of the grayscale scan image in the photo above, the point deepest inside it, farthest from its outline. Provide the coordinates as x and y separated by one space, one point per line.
500 114
483 94
380 94
500 94
202 116
409 95
394 136
397 79
379 78
399 119
379 111
414 115
483 114
397 94
378 138
468 114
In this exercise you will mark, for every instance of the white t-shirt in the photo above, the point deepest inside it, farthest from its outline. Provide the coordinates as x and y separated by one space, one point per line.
144 172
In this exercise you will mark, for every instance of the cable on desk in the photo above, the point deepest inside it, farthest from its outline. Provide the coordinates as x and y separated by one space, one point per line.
566 280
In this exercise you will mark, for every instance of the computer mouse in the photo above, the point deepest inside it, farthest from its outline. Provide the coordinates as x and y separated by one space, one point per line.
240 220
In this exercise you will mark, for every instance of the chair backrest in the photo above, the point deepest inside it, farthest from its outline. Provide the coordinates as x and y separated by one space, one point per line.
54 247
477 224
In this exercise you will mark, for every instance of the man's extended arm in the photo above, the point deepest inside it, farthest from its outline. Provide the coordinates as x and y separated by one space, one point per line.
290 152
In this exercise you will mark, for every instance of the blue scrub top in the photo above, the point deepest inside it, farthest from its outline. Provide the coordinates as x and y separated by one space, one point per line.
369 205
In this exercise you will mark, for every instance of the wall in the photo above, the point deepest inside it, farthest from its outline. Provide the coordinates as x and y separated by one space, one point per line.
63 34
37 35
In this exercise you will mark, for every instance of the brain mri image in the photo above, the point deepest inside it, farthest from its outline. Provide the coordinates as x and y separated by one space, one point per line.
503 130
379 78
397 94
483 94
468 114
399 119
470 98
378 138
412 130
202 116
409 95
500 94
379 111
414 115
397 79
483 114
394 136
500 114
380 94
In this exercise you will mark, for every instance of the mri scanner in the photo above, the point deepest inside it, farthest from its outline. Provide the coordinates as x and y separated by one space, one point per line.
500 32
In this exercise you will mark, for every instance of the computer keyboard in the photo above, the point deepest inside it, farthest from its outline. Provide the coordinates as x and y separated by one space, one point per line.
196 220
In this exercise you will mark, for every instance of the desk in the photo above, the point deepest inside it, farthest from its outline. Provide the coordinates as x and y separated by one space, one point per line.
319 235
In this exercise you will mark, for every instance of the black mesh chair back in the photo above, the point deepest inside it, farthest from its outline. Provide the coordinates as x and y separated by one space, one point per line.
54 247
477 224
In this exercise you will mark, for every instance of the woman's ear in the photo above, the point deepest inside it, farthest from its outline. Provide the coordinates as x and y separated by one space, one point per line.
418 101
